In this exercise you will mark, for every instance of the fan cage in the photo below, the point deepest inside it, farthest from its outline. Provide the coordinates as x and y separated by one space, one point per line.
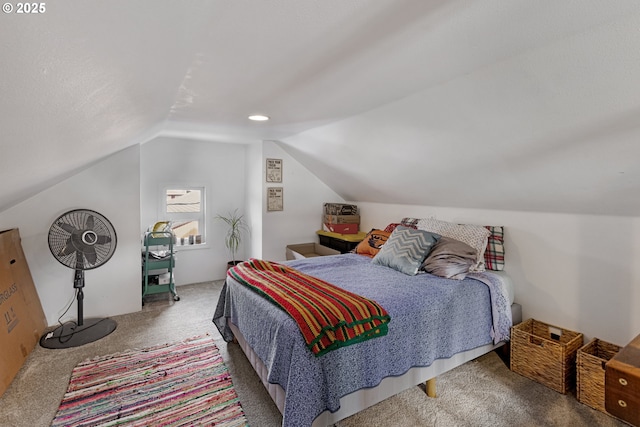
78 219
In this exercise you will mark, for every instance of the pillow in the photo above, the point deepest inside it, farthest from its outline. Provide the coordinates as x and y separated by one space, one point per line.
475 236
405 250
410 222
389 228
372 243
450 258
494 254
393 226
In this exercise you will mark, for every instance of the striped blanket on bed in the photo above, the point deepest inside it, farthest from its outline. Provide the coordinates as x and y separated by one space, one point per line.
329 317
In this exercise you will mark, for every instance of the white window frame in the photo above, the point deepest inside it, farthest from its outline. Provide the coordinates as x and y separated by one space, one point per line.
187 216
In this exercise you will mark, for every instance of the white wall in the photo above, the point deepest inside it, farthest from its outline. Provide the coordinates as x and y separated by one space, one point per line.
112 188
217 166
304 195
575 271
254 202
234 175
579 272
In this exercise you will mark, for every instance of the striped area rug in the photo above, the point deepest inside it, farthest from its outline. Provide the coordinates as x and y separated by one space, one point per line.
180 384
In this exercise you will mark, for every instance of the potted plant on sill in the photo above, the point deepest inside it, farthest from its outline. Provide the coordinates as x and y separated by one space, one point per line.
236 226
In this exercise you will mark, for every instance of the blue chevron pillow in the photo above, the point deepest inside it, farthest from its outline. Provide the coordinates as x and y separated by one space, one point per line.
405 249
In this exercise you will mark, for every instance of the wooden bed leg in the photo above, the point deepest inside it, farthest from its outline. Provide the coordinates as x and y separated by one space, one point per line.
431 387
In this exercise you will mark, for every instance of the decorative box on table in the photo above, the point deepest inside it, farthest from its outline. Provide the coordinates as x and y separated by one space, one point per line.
341 228
340 209
545 353
341 218
590 366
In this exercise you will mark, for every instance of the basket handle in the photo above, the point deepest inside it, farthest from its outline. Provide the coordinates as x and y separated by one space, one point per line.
536 341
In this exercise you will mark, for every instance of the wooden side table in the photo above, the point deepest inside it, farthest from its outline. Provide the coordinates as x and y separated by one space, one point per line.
340 242
622 383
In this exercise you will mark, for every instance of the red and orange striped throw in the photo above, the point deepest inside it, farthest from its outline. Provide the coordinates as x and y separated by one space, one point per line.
329 317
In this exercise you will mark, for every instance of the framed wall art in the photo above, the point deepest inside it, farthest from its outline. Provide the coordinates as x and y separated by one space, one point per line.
275 199
274 170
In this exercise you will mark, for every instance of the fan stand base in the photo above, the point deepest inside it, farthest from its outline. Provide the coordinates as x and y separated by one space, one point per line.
72 335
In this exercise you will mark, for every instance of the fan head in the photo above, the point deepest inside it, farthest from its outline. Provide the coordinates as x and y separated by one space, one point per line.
82 239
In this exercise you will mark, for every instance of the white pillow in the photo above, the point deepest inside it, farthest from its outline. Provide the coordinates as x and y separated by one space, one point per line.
475 236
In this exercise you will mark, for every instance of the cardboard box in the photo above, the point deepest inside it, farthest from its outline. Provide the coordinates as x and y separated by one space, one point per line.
308 250
341 219
22 320
340 209
342 228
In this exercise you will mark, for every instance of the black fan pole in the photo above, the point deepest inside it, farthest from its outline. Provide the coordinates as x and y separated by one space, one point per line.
78 283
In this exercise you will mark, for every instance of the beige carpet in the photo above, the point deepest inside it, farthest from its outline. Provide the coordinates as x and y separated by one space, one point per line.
482 393
479 393
34 395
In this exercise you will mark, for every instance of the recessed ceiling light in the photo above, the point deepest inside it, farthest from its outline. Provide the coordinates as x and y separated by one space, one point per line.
259 118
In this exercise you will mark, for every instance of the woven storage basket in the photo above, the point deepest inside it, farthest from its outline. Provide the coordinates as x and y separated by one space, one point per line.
545 353
590 366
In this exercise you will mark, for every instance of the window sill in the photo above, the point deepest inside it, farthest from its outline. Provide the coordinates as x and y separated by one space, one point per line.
180 248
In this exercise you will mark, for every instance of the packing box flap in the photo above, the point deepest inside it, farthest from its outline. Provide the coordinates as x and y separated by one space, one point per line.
22 320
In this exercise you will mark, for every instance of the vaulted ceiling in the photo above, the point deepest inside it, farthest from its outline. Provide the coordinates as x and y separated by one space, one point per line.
515 105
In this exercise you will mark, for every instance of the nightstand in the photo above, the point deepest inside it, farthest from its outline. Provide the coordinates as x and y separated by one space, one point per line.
340 242
622 383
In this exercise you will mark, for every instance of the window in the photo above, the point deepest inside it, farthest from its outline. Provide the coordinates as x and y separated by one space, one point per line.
185 208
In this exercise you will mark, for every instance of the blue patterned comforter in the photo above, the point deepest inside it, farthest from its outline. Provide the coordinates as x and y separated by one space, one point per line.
431 318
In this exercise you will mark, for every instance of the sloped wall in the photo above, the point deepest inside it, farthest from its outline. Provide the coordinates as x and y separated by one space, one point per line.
112 188
551 129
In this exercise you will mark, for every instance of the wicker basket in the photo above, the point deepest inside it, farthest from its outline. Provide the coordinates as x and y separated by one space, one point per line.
545 353
590 366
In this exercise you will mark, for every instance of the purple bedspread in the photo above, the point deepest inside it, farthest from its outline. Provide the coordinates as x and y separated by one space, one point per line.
431 318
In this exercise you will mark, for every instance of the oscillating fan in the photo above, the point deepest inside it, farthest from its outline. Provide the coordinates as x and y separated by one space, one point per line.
81 239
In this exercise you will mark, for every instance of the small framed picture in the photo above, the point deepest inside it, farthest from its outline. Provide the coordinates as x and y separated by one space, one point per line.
274 170
275 199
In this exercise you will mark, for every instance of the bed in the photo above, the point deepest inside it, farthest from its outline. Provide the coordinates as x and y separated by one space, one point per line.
436 325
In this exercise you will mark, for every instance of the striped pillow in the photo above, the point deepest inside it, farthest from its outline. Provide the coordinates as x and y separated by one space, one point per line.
410 222
405 250
494 254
